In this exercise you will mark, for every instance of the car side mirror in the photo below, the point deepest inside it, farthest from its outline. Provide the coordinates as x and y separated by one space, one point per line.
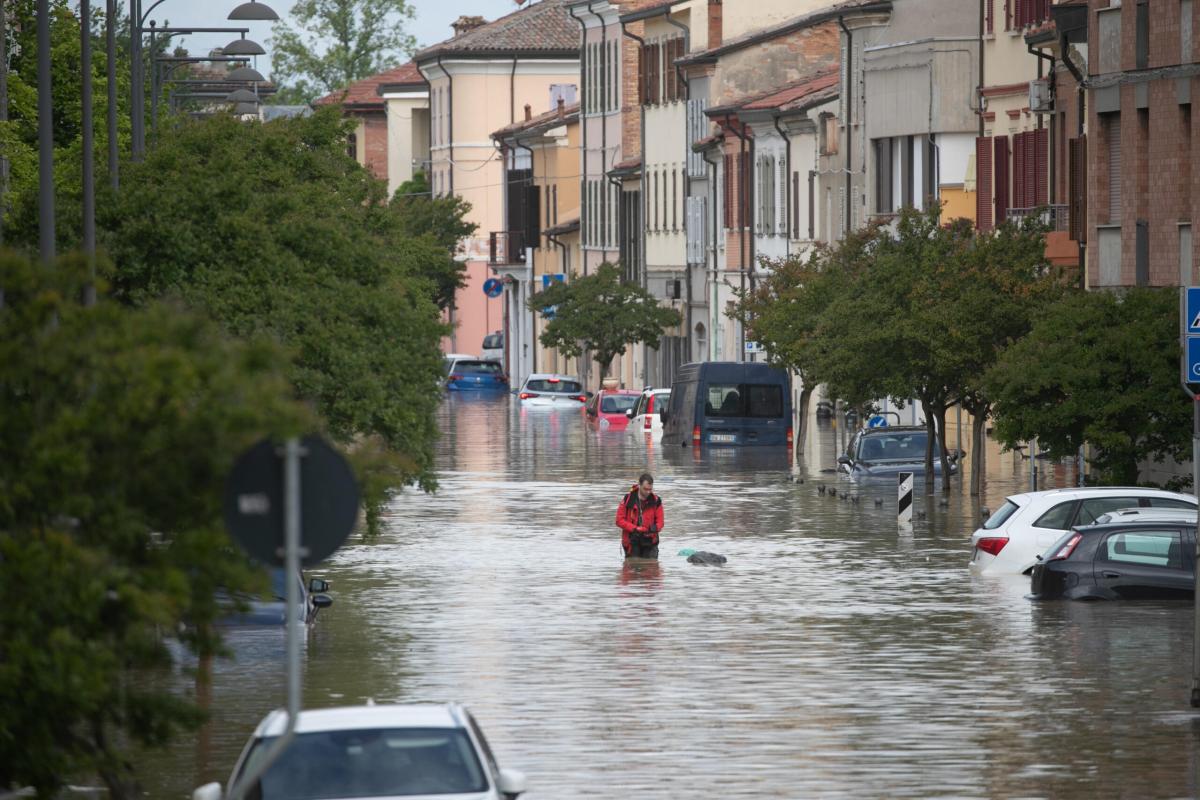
511 783
316 586
209 791
844 460
629 413
322 600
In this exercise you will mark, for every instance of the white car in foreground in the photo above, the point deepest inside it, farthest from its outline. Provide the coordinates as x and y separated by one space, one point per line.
1021 529
645 419
555 391
434 752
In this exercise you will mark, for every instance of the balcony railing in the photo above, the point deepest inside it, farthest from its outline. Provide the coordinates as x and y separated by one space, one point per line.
1055 217
506 247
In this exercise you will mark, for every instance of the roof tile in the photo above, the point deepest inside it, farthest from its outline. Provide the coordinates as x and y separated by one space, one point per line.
544 26
366 92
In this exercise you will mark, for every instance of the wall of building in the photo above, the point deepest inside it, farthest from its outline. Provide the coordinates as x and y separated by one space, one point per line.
778 62
407 136
744 16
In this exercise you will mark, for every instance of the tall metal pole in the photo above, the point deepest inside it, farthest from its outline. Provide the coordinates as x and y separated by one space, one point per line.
3 118
1196 560
110 41
154 67
45 137
89 154
136 117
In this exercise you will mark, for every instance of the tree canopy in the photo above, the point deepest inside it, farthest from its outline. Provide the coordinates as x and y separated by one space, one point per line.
442 222
336 42
273 230
601 314
1100 369
118 427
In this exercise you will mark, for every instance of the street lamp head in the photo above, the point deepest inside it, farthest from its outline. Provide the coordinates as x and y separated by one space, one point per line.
242 96
244 47
245 75
253 11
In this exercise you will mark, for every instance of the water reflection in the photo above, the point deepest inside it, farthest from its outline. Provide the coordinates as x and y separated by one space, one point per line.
832 656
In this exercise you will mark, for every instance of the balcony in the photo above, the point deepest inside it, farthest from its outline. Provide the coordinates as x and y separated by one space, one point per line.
1056 218
506 247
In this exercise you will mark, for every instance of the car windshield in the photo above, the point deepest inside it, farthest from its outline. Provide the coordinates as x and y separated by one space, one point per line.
370 763
553 386
618 403
906 446
489 367
493 342
279 585
1001 516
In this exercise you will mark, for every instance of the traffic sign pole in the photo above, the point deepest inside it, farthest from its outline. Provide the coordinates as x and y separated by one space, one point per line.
292 452
1196 559
1189 358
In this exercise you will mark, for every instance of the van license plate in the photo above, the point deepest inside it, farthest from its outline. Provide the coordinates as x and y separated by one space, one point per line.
722 437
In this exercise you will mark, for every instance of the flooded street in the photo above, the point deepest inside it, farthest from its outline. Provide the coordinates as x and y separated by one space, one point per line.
830 657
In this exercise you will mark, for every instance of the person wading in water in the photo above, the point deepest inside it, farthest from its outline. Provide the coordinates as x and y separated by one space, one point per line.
640 518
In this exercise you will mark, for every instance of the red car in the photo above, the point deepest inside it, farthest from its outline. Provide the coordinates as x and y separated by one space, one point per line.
606 410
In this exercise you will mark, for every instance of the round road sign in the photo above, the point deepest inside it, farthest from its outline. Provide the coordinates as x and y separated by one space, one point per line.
254 501
493 287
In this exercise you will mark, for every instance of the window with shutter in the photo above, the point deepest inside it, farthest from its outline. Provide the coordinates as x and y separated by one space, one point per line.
674 199
983 183
1077 180
726 206
781 215
1112 130
988 14
1018 171
745 176
1041 164
1000 176
655 73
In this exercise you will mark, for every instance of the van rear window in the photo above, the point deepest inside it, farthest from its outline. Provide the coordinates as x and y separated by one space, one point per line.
760 401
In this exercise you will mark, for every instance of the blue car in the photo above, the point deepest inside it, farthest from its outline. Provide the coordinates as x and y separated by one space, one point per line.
468 375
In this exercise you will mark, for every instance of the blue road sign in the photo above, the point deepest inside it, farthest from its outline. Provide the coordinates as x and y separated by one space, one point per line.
1193 360
493 287
1193 311
877 422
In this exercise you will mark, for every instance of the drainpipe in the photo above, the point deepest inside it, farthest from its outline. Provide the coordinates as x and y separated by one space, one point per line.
687 179
1053 94
449 119
712 304
512 93
849 118
1079 91
787 195
746 200
583 123
642 152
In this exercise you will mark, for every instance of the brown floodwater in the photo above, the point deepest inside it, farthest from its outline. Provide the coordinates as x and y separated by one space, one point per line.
832 656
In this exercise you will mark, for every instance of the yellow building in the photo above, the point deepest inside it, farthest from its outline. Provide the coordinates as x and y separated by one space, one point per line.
540 155
479 81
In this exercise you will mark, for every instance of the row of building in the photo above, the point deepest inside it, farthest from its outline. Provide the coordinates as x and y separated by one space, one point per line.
693 141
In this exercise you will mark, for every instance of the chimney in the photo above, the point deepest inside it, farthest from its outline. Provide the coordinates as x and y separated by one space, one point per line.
464 24
714 24
562 105
528 112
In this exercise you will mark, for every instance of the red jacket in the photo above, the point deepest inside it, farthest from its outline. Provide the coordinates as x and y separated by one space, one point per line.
633 515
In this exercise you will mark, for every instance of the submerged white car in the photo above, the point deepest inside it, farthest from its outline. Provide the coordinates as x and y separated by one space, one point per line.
1020 530
556 391
645 419
385 751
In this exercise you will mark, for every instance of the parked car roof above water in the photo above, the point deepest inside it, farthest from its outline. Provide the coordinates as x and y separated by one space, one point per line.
343 718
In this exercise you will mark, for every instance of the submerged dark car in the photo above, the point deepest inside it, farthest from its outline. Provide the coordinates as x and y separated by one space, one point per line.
885 452
272 610
1125 555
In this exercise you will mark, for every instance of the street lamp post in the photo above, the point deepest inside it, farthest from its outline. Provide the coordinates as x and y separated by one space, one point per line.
89 166
110 42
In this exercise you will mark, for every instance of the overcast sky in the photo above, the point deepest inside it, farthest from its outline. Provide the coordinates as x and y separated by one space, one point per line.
431 25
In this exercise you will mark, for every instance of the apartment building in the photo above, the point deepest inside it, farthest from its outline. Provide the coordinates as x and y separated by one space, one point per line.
391 109
1143 154
540 155
480 81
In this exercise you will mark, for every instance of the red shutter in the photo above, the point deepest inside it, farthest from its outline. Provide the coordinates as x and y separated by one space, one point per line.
1001 173
1041 162
672 73
1077 181
641 51
988 14
1018 171
983 183
656 73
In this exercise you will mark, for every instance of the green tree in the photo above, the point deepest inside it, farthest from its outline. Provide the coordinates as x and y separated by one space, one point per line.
601 314
118 428
337 42
442 222
784 310
273 230
1102 369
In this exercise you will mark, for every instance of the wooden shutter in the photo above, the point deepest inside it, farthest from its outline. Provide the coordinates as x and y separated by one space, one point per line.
1000 172
795 215
533 217
989 14
643 84
655 73
983 183
1113 130
1077 188
1018 170
781 215
1041 166
745 182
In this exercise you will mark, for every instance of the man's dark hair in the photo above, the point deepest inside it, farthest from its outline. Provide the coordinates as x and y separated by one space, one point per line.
646 478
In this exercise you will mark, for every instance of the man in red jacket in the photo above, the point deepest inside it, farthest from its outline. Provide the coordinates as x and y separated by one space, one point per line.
640 518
